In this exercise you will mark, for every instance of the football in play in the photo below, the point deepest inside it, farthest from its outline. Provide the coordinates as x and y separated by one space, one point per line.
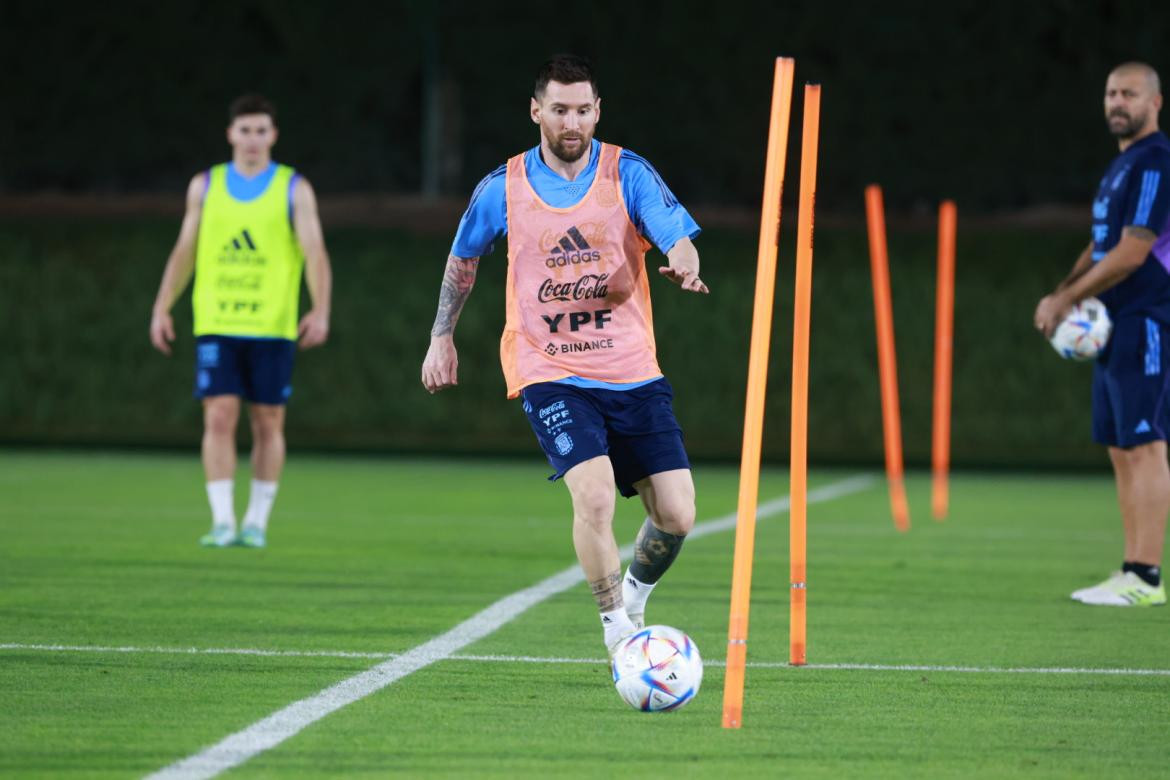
657 669
1084 332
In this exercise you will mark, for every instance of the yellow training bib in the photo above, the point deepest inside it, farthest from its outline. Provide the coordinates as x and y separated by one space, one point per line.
247 263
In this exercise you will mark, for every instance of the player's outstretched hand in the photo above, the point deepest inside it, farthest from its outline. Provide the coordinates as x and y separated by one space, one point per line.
162 331
684 278
440 368
1049 313
313 329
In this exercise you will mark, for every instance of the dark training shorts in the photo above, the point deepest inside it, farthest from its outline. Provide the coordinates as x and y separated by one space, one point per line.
635 427
1131 405
257 370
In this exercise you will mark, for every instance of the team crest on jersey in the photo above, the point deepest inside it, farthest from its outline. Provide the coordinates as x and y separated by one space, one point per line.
564 444
1120 177
605 193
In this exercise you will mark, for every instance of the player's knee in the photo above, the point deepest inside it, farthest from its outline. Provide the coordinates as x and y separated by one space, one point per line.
676 515
1151 454
221 418
266 427
593 503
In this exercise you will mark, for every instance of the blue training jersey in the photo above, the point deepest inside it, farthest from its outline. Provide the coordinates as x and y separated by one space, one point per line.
652 207
1135 192
245 189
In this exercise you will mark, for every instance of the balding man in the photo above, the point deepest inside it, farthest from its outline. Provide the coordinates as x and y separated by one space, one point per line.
1127 266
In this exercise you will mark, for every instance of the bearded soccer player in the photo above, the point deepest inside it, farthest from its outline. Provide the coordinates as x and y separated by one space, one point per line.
1127 265
578 343
250 228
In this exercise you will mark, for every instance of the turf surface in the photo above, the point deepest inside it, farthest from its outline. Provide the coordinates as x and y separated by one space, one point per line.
379 555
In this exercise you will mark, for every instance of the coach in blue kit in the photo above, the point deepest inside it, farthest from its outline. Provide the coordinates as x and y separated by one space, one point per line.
1127 266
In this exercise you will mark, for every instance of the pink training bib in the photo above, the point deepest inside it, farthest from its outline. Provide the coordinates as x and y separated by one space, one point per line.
578 303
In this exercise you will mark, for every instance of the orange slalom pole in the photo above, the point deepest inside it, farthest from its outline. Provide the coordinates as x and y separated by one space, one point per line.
753 422
944 323
883 312
798 449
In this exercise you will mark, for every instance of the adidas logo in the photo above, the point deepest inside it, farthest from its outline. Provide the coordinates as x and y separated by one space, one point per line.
241 250
1142 427
578 241
633 583
572 248
235 242
607 619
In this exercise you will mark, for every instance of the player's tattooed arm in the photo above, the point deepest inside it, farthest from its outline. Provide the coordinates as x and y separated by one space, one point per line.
607 591
458 280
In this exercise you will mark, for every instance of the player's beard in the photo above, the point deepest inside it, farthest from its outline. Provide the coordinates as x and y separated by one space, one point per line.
1127 126
557 145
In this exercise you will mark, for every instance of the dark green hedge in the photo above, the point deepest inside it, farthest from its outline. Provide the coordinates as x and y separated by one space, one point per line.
77 366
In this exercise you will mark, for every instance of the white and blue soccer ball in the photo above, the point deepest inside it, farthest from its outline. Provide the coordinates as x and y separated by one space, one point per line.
657 669
1084 332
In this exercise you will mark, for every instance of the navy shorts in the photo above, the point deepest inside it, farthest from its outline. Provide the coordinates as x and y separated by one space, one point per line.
258 370
1130 389
635 427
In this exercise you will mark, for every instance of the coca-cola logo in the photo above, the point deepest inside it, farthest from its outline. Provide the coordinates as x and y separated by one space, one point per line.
588 287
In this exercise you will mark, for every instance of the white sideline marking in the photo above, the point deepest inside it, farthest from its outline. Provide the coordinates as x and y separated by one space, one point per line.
284 723
846 667
531 659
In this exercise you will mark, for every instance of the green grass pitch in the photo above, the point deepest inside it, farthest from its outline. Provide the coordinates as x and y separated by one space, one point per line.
376 556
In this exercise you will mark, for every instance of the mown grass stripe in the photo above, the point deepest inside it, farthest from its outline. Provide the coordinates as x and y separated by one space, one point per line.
287 722
531 659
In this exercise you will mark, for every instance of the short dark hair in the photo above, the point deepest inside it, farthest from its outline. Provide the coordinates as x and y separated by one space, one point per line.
564 69
251 103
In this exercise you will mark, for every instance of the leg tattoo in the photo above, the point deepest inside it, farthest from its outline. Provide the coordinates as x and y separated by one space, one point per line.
607 591
654 551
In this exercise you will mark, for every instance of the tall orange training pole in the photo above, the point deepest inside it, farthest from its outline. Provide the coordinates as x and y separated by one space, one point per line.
753 418
944 322
801 313
879 264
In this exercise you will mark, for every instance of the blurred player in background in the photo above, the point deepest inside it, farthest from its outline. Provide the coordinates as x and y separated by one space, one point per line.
250 227
1127 265
578 345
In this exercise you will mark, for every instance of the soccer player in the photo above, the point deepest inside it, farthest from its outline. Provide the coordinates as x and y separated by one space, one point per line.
250 228
578 343
1127 265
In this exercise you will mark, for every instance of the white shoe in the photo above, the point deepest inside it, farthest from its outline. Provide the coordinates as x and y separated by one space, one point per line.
613 647
1129 590
1105 586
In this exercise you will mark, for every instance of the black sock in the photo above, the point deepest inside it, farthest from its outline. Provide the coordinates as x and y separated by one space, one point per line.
1151 575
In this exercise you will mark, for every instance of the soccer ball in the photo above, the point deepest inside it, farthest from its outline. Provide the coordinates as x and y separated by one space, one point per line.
1084 332
657 669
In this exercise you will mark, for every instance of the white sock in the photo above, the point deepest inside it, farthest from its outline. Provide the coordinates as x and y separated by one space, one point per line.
260 504
219 495
616 624
634 593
